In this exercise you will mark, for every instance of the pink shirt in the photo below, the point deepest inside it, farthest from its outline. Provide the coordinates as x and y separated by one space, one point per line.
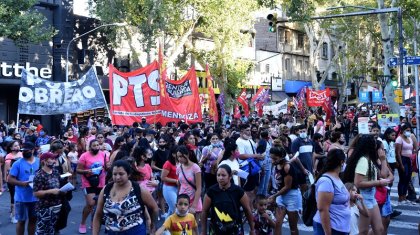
406 148
185 187
90 162
146 171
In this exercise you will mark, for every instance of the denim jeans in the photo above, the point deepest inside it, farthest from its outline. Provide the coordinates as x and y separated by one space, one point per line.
263 187
404 176
318 230
170 193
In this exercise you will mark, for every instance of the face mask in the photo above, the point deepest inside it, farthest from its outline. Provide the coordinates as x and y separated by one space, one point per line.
51 166
407 134
115 130
143 122
162 146
180 214
95 151
341 141
303 135
27 154
41 133
282 161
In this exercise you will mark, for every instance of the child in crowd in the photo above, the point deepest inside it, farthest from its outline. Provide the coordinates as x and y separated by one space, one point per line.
264 219
357 206
74 160
181 222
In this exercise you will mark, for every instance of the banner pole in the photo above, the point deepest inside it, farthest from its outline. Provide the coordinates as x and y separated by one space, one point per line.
103 95
17 123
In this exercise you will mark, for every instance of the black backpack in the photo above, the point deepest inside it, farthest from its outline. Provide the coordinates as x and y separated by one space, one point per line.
309 204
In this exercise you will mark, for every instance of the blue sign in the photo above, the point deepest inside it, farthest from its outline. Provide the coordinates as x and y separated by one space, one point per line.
364 97
411 60
376 97
393 61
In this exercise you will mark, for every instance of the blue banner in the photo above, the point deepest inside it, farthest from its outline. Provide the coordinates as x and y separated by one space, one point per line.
43 97
364 97
376 96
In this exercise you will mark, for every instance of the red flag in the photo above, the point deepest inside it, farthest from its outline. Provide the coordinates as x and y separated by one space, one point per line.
317 98
327 106
244 102
237 113
213 114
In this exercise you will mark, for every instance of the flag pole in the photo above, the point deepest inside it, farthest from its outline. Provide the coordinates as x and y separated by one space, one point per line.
103 95
17 123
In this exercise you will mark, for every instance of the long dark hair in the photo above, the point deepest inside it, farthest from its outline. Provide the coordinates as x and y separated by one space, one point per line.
230 146
387 132
185 151
334 159
171 157
138 153
365 147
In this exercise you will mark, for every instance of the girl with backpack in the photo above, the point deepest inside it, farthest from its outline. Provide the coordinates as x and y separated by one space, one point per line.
122 204
362 169
332 198
288 197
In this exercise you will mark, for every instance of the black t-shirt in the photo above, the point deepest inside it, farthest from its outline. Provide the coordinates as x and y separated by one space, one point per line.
160 156
226 202
317 148
280 174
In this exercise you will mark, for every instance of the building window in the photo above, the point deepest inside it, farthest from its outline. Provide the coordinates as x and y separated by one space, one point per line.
300 40
267 68
325 50
258 67
286 36
287 64
281 33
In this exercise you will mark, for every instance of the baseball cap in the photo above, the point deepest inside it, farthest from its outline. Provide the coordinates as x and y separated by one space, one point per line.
27 146
47 155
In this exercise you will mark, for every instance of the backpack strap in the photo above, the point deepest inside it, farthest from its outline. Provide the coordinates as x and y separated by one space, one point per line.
332 181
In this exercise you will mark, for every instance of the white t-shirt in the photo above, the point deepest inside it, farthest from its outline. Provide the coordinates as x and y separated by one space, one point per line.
246 146
354 221
73 157
234 166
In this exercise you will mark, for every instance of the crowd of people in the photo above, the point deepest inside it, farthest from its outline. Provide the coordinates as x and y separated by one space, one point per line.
208 178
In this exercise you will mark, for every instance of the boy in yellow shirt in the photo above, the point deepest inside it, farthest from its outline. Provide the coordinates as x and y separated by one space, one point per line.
181 222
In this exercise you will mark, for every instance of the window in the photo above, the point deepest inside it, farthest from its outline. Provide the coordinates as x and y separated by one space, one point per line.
300 40
300 65
286 36
287 64
325 50
258 67
281 33
267 68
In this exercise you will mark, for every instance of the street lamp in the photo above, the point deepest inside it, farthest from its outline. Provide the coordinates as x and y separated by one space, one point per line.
68 45
383 81
358 81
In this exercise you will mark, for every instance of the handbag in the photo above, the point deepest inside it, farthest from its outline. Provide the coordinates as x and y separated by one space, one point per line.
93 180
250 165
381 195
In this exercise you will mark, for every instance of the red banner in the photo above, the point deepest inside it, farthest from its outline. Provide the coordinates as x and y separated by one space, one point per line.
213 114
137 94
317 98
182 101
244 102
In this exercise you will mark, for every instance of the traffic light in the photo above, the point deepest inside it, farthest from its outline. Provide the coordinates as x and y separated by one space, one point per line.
394 84
272 25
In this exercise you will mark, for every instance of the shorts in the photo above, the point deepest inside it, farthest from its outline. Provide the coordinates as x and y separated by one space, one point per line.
291 201
91 190
73 166
138 230
250 183
369 197
24 210
386 208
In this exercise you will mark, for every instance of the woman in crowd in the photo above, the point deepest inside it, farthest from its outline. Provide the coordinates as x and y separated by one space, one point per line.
404 148
70 136
82 140
288 197
230 157
337 141
92 168
46 188
160 156
141 155
209 159
13 154
118 145
123 211
189 178
362 169
389 147
225 198
333 214
170 180
103 146
191 143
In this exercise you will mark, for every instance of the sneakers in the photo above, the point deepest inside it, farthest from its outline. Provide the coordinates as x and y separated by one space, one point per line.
13 219
395 213
403 203
82 228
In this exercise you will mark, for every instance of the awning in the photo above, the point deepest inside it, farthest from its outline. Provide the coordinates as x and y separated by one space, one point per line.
293 86
278 96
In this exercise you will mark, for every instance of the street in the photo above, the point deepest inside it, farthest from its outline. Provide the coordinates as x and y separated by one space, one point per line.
405 224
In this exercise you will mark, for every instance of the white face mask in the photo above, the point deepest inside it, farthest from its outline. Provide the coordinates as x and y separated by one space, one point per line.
303 135
181 214
407 134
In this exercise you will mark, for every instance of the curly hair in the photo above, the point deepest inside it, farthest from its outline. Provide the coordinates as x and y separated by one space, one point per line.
365 147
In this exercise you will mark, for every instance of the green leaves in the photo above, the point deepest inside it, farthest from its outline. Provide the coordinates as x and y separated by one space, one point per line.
19 21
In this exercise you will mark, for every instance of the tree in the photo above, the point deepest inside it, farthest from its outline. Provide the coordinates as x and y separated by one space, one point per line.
20 21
